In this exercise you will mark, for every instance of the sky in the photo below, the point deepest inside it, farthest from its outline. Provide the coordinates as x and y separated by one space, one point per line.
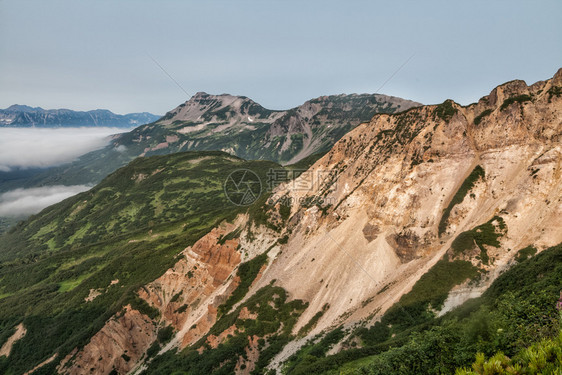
89 54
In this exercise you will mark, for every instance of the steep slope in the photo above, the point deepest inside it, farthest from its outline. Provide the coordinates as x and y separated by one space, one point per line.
363 236
392 180
233 124
65 271
25 116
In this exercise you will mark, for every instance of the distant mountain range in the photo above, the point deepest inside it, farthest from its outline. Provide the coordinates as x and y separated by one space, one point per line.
233 124
25 116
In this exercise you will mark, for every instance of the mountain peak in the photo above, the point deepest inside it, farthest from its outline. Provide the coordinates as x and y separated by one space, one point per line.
23 108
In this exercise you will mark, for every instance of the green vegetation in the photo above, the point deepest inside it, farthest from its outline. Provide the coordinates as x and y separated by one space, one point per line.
466 186
544 357
177 296
518 309
130 227
427 295
446 110
554 91
413 313
313 321
304 361
165 334
525 253
515 99
481 116
247 273
230 236
485 234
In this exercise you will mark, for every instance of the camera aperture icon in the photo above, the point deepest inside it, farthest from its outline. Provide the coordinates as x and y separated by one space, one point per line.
242 187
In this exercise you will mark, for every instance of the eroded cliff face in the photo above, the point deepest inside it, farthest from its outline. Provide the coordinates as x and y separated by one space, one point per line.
385 185
367 221
195 278
186 296
189 294
117 346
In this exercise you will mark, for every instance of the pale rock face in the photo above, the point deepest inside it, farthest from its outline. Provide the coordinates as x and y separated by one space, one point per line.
397 174
6 348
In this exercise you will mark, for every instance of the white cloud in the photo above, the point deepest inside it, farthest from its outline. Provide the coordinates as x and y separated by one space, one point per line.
121 148
41 148
24 202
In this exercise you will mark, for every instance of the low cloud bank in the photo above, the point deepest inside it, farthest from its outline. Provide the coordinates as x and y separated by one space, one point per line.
42 148
24 202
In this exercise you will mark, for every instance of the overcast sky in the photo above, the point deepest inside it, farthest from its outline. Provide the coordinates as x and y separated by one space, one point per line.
95 54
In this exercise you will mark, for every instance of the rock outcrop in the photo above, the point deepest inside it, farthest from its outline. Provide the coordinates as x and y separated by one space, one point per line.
118 346
17 335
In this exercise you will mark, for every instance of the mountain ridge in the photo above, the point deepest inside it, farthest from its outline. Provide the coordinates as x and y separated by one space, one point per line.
18 115
233 124
205 115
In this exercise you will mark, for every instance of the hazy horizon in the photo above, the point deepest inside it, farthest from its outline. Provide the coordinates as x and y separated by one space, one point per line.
99 54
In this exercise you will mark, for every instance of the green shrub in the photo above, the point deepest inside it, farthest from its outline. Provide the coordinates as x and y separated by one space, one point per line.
515 99
554 91
445 110
525 253
143 307
153 349
481 116
165 334
466 186
177 296
247 273
544 357
312 322
485 234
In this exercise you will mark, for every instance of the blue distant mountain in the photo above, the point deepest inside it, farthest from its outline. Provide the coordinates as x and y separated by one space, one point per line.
25 116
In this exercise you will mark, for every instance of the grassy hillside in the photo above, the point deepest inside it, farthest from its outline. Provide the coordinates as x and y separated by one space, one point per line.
128 228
